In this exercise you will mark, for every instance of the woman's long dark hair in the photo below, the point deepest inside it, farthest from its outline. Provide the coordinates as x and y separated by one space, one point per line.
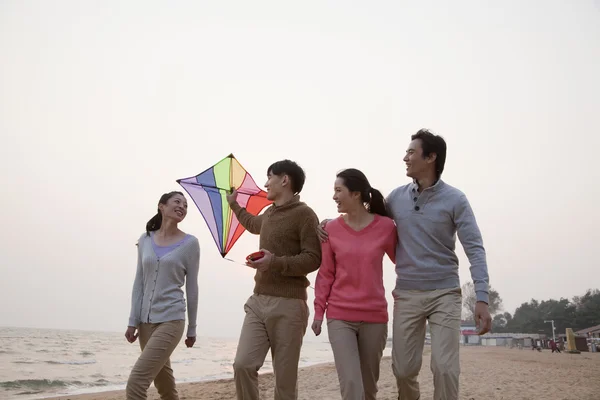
356 181
156 221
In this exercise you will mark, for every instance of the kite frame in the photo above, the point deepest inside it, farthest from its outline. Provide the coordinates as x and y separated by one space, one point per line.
262 193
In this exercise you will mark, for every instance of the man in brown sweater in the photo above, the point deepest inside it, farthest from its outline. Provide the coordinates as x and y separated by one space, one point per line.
277 313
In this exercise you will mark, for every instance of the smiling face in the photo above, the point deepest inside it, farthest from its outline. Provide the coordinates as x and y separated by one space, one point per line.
417 166
344 199
276 185
175 208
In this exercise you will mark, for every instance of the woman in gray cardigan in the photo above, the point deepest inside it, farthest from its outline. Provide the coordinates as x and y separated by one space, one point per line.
168 258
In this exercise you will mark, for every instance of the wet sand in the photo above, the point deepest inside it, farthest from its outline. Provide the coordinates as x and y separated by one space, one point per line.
487 373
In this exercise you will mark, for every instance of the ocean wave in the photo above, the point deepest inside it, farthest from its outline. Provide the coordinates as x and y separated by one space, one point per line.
37 384
71 362
184 361
30 392
41 385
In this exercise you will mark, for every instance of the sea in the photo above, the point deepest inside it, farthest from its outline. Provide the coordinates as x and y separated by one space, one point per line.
44 363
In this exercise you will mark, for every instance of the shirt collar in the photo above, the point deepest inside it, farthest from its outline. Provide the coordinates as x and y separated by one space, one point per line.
414 187
292 201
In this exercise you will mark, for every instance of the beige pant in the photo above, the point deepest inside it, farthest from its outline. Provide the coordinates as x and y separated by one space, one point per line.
279 323
443 310
157 342
357 351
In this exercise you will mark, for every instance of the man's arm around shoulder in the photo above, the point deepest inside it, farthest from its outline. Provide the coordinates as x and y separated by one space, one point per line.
390 197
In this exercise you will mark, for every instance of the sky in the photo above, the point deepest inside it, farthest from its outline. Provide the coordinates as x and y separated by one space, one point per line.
103 105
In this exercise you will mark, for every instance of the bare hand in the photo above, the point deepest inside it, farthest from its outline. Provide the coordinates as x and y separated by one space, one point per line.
131 334
316 326
321 232
263 263
232 197
189 342
483 319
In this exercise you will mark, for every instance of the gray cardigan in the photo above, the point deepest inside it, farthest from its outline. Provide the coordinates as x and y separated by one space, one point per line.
157 294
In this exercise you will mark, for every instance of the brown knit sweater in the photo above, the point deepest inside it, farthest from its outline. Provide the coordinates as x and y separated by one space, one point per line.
290 233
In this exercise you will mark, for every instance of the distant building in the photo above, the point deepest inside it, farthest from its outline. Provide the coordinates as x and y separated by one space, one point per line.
592 332
470 337
468 333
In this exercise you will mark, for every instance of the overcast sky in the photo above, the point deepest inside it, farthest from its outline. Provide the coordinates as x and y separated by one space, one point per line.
103 105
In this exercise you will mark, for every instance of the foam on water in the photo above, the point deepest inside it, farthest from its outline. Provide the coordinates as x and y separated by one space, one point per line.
38 363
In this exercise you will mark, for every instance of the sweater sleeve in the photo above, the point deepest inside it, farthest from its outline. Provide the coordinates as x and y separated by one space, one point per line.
252 223
472 242
324 280
191 288
309 258
391 241
137 293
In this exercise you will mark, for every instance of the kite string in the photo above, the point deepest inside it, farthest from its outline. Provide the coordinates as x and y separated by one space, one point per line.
239 263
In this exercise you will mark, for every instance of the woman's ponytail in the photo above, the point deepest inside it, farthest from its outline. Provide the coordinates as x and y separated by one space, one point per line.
154 223
377 204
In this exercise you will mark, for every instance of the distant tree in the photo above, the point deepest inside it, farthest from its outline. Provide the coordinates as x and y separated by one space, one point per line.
500 322
529 317
580 313
470 299
587 309
525 318
562 311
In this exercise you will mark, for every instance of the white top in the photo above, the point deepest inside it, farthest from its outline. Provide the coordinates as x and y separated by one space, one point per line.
157 294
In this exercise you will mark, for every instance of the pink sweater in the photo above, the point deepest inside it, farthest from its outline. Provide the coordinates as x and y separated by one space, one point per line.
349 284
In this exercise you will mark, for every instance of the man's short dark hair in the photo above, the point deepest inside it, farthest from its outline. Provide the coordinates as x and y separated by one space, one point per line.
291 169
431 143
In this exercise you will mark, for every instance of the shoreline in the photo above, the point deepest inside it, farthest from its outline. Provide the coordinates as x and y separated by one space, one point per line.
490 373
182 387
47 364
97 392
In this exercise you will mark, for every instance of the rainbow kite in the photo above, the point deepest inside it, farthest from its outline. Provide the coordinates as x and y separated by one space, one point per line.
208 190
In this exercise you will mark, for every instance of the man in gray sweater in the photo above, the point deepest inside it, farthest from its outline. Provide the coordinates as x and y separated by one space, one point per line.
428 214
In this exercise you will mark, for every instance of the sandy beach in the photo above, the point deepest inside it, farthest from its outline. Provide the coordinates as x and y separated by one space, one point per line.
487 373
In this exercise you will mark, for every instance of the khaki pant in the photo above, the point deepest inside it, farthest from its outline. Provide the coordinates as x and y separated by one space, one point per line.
443 310
279 323
157 342
357 351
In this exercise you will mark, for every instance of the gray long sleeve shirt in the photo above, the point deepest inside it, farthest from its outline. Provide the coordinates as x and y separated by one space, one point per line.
157 294
427 224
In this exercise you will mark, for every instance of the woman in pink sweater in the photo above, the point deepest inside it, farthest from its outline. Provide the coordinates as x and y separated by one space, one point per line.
349 285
